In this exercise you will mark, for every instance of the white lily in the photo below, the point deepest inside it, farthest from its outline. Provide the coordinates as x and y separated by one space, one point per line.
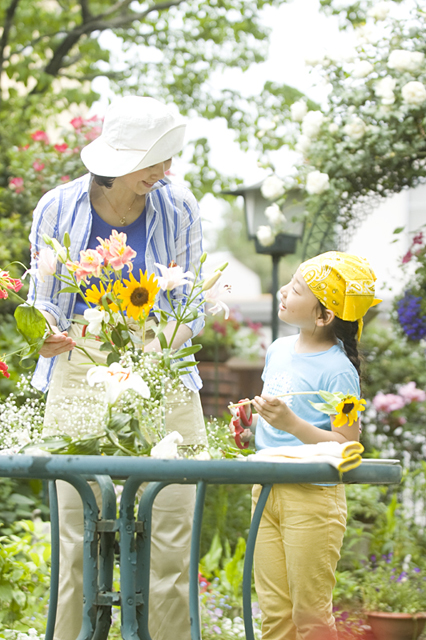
172 277
212 296
46 263
167 447
95 318
117 379
60 251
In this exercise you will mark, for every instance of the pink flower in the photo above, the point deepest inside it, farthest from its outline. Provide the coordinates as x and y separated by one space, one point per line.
407 257
116 252
38 166
65 178
91 262
46 264
61 147
173 276
411 393
93 133
16 184
388 402
212 296
3 369
40 136
77 123
8 283
418 238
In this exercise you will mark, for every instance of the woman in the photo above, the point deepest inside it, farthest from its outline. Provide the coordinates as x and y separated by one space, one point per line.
126 190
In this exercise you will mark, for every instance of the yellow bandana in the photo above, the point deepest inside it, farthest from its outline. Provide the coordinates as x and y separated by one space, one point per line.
343 283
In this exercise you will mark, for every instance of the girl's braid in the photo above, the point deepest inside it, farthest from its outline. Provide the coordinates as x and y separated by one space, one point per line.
347 332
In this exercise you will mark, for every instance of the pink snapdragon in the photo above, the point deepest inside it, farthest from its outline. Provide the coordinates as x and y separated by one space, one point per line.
16 184
46 263
40 136
115 251
8 284
388 402
173 276
411 393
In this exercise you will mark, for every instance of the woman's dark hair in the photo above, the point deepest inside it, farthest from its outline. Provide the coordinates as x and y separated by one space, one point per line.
347 332
102 181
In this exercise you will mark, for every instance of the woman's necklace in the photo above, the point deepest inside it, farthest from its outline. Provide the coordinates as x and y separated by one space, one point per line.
120 215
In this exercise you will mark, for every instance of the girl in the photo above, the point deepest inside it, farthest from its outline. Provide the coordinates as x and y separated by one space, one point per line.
302 526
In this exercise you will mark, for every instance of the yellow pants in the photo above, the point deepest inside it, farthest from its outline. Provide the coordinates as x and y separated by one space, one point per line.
172 511
297 549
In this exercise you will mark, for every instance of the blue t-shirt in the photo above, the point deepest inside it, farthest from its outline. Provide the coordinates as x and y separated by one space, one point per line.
136 239
285 371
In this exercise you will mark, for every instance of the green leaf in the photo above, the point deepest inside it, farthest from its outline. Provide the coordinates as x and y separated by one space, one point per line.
113 357
71 289
162 339
31 322
106 346
398 230
187 351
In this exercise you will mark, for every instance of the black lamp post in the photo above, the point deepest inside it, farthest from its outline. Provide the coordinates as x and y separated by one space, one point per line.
285 243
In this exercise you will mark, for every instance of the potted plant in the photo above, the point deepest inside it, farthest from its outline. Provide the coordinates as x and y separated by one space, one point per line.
394 597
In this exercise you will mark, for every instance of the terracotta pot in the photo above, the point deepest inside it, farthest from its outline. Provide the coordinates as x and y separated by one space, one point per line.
396 626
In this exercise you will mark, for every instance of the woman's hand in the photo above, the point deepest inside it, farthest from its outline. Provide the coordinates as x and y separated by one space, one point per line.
56 343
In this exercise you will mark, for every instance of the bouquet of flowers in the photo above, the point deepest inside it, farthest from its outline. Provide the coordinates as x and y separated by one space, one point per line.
135 382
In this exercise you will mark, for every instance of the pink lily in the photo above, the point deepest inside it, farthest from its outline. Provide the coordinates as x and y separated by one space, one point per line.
46 264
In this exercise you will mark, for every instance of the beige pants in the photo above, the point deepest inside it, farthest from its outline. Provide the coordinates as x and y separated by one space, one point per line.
297 549
172 512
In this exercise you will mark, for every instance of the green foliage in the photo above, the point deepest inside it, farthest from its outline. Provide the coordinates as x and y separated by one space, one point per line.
24 578
20 500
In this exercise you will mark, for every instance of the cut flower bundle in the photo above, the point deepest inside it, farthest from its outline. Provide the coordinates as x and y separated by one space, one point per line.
122 315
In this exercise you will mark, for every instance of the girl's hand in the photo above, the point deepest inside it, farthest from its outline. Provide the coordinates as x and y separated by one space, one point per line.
56 343
274 411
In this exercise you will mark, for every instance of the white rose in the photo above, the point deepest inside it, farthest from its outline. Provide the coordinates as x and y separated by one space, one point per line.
379 11
298 110
405 60
317 182
362 69
414 93
275 215
311 123
303 144
355 129
384 89
272 188
333 127
265 235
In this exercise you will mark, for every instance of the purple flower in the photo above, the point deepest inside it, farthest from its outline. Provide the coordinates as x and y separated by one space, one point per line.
417 570
411 316
217 629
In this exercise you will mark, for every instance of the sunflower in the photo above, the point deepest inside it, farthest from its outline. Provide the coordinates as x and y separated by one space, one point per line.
95 295
347 410
138 297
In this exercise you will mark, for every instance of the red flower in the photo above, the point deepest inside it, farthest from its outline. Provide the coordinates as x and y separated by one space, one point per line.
3 369
40 136
61 147
418 238
16 184
6 282
77 123
407 257
65 178
203 583
38 166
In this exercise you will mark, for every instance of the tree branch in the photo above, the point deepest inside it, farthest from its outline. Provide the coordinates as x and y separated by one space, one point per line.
85 11
98 23
8 21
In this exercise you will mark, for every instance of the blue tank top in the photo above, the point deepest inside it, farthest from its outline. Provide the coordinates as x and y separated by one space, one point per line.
136 239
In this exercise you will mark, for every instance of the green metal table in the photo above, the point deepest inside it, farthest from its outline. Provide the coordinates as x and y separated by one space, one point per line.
135 532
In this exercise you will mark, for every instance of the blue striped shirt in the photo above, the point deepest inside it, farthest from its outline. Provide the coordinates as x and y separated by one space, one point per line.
173 233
